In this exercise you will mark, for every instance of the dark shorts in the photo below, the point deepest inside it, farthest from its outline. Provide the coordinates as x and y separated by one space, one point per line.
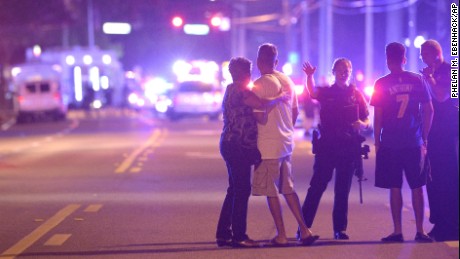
391 163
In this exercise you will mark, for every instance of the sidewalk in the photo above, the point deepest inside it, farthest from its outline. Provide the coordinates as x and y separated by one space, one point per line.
6 118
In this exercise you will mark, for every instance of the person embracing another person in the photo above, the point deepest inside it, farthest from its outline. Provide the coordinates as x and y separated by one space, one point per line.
238 147
273 176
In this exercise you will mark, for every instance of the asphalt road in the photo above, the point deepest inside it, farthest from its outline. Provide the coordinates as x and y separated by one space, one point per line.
118 184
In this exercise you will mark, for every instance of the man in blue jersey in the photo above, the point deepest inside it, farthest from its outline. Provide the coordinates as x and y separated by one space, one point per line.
402 121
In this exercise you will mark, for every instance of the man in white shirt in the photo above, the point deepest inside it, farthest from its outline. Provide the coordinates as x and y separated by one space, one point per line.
275 142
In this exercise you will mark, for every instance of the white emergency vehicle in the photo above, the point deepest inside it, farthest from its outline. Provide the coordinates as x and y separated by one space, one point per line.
39 92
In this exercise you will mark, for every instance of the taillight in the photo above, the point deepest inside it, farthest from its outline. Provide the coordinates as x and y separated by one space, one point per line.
20 98
57 96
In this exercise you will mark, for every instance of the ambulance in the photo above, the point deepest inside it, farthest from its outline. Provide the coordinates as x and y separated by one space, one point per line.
39 92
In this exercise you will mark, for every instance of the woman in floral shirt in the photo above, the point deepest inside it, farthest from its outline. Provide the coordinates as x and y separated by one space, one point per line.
238 146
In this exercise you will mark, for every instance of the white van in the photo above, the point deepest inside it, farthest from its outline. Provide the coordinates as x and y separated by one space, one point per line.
39 93
40 99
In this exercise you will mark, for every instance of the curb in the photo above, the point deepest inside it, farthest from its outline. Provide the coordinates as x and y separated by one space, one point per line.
7 120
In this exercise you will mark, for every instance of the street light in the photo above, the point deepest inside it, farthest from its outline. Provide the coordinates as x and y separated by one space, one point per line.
116 28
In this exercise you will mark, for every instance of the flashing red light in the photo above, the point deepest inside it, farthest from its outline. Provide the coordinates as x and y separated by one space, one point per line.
216 21
177 21
57 96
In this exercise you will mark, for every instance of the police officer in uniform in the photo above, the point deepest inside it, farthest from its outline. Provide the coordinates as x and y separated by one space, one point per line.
343 114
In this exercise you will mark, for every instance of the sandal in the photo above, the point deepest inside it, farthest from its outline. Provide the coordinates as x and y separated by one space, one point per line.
274 243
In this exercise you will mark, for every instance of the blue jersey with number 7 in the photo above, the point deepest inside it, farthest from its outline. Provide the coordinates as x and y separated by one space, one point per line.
400 96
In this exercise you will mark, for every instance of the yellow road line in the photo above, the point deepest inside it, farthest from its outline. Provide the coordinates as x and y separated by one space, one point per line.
57 240
130 159
135 170
452 243
93 208
30 239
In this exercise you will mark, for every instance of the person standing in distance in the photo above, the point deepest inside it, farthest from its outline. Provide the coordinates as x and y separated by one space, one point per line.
402 121
238 146
442 187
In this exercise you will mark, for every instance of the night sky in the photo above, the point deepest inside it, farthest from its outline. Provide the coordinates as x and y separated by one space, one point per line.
154 44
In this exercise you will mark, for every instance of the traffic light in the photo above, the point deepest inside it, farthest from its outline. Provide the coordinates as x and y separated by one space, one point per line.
220 22
177 21
216 21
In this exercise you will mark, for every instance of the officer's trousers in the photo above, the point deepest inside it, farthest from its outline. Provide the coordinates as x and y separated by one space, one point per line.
325 164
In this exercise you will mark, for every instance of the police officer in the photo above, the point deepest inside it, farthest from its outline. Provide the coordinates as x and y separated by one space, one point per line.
343 114
442 189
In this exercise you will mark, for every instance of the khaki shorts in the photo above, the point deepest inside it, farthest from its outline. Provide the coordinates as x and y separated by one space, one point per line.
273 176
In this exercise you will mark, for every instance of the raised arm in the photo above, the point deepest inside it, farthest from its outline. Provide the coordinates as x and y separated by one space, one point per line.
309 71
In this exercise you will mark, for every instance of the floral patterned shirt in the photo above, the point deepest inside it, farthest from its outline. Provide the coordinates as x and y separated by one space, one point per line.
240 125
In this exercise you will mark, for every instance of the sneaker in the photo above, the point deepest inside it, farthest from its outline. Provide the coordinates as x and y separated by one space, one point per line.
398 238
224 242
423 238
341 235
308 241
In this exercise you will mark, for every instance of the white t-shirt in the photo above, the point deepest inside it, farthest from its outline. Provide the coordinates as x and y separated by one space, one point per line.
275 139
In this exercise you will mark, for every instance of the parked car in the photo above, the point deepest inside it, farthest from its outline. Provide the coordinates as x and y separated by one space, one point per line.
195 98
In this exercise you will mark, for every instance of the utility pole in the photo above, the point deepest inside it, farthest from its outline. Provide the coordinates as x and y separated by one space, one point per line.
287 25
393 28
442 11
369 43
304 31
325 38
90 20
290 38
238 32
413 52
